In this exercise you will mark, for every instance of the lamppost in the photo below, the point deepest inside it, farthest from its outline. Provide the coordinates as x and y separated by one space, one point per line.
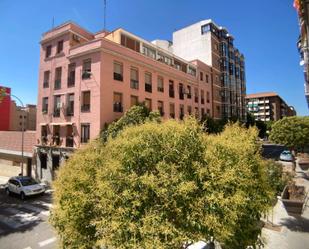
4 94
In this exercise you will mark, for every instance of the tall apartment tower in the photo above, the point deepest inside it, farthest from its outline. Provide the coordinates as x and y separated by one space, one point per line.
213 45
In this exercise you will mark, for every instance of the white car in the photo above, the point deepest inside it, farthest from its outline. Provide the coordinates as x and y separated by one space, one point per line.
24 186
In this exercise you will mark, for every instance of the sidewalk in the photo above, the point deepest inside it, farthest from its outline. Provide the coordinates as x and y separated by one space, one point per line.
289 232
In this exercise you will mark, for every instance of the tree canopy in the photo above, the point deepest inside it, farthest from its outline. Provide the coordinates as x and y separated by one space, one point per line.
292 132
160 185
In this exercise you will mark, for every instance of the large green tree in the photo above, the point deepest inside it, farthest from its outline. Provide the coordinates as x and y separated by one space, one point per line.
292 132
160 185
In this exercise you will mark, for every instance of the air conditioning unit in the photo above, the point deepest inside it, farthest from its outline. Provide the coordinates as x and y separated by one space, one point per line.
59 105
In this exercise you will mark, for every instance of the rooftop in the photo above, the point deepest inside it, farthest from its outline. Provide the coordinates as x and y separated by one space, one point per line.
261 95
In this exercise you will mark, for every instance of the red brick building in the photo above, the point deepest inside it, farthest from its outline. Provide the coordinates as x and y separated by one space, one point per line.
5 104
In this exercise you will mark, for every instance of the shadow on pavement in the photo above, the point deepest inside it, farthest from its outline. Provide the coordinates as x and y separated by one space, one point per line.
296 224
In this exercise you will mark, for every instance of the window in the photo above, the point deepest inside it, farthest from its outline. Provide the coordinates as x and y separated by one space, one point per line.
118 102
160 84
189 110
148 104
171 89
86 69
44 134
85 101
45 105
192 71
130 43
207 78
203 112
207 97
196 95
201 76
118 71
196 112
189 92
48 51
57 105
85 133
70 105
58 74
46 79
148 82
134 78
161 108
43 160
59 46
69 140
149 52
172 110
134 100
202 97
181 91
205 28
71 75
181 112
208 111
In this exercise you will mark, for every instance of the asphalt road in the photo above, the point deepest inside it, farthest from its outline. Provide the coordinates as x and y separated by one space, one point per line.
24 224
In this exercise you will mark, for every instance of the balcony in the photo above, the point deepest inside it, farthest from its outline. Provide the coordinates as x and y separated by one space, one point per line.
56 112
71 81
69 141
148 87
44 140
45 84
134 84
118 107
57 84
85 108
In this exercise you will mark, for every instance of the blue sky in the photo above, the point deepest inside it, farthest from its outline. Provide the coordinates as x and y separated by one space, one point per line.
266 32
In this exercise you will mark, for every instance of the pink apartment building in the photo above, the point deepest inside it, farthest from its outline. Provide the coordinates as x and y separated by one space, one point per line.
88 80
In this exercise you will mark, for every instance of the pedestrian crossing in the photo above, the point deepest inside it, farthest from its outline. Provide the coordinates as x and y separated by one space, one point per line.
22 215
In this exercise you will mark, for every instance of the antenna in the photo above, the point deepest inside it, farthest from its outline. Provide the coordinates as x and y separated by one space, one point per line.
104 15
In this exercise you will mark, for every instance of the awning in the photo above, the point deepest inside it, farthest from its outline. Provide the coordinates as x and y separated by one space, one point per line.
43 124
65 123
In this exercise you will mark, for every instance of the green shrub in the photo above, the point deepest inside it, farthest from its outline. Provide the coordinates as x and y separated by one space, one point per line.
160 185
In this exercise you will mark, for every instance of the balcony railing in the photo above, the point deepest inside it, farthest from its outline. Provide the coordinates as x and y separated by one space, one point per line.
148 87
57 84
71 81
181 95
69 111
85 108
118 107
134 84
56 112
189 95
44 140
56 140
86 75
44 111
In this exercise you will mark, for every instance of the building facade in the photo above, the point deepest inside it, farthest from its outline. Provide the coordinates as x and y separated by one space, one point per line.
268 106
5 104
88 80
214 46
302 7
14 117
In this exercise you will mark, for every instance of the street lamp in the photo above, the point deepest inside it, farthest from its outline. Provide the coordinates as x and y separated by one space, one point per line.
4 94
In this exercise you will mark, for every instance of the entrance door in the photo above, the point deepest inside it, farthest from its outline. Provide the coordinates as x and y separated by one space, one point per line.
29 164
55 164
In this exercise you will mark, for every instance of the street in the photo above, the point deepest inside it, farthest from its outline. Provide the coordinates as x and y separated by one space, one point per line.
24 224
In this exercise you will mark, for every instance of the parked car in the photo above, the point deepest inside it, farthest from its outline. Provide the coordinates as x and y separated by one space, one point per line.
24 186
286 155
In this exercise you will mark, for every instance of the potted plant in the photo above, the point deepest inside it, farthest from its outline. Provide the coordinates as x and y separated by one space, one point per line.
293 198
